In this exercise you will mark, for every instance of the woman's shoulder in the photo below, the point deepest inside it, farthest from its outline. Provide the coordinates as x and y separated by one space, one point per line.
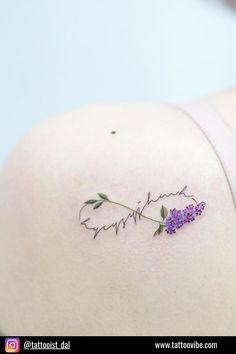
140 156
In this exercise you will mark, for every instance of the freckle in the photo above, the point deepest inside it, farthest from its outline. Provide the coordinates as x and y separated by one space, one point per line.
113 132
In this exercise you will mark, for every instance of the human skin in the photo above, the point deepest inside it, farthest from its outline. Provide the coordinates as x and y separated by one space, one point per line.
56 279
231 2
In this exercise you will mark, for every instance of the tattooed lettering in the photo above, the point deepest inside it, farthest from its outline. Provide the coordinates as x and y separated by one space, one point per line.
170 220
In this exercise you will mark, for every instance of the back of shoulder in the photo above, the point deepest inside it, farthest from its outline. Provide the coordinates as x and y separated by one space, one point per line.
130 152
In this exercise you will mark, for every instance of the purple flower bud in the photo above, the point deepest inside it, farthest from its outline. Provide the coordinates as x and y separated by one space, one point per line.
170 225
177 218
189 213
199 208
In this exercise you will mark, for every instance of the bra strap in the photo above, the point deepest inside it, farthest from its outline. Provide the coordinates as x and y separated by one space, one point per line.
220 137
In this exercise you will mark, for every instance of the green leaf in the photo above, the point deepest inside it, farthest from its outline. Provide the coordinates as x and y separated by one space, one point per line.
164 212
103 196
159 230
91 201
97 205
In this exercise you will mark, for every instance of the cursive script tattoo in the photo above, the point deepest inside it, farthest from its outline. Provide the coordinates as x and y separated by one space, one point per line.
169 223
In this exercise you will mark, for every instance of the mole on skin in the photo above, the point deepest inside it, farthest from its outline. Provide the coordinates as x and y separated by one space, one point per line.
113 132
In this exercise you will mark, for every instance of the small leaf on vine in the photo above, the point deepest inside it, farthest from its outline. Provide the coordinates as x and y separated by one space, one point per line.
103 196
159 230
164 212
91 201
97 205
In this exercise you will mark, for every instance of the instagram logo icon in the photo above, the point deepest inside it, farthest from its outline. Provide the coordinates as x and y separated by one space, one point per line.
12 345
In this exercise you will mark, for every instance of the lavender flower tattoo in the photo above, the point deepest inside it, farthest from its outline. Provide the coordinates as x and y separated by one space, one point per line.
170 220
178 218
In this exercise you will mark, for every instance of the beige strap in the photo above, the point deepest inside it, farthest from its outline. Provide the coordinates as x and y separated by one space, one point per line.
220 137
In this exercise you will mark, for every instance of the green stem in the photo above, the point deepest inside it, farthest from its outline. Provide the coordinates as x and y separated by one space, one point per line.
124 206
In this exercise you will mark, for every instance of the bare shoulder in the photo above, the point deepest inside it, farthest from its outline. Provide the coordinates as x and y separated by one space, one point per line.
125 282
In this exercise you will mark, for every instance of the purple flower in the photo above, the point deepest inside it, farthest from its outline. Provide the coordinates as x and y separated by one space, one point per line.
189 213
177 215
170 225
199 208
177 218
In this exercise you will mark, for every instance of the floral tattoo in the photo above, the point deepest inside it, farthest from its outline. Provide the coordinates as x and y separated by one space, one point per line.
171 220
